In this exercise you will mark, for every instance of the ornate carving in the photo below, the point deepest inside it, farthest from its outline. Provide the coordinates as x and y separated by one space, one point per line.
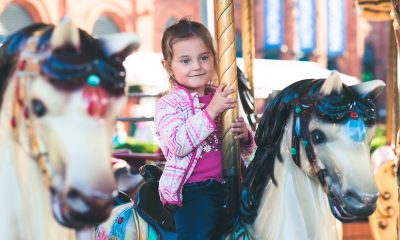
383 220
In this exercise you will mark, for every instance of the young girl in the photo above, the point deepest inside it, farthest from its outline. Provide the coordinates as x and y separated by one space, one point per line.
188 126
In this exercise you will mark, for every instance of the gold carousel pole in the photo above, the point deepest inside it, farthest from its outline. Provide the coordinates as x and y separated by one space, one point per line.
226 48
395 98
392 115
248 45
394 93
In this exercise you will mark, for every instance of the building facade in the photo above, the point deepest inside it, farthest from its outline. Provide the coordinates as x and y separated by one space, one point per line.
329 32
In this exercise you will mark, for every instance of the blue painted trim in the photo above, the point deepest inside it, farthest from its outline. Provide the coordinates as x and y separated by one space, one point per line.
118 229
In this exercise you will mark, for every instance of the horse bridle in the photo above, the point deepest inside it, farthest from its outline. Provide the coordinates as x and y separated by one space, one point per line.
300 133
27 69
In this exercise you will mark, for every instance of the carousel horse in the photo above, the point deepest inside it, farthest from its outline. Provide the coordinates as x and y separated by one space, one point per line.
60 92
312 166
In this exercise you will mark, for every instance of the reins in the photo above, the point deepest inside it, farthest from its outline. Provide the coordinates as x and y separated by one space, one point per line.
27 70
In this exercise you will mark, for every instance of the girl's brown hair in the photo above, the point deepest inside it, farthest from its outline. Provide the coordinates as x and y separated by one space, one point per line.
184 29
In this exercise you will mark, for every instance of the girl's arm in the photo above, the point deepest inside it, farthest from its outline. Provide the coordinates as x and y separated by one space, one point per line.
180 135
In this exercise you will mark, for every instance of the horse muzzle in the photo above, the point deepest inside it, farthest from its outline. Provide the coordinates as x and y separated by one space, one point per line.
79 210
352 205
360 204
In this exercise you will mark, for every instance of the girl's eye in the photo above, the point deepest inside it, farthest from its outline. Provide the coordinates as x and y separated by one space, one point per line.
185 61
204 58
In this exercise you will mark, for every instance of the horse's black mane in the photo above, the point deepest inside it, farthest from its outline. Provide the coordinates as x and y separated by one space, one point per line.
66 68
304 95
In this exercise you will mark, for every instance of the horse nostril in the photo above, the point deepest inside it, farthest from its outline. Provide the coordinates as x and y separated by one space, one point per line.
94 208
73 193
77 200
355 197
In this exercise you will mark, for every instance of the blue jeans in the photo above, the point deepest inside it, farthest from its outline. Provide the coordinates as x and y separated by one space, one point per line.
201 215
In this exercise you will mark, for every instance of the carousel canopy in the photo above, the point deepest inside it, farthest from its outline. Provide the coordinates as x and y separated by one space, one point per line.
145 69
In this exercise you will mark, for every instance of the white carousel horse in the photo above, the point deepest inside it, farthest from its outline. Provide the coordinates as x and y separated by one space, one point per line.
60 92
312 165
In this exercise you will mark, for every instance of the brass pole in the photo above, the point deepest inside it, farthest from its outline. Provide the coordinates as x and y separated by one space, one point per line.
395 90
226 48
248 45
390 123
394 95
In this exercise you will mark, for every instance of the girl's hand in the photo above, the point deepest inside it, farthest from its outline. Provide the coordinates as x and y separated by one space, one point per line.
240 131
220 101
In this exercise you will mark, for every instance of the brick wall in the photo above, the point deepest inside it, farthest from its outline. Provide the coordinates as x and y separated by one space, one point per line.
357 231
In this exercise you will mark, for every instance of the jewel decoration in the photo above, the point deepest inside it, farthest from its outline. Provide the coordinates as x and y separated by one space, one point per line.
120 220
13 122
97 100
93 80
293 151
26 113
22 65
305 142
354 115
298 109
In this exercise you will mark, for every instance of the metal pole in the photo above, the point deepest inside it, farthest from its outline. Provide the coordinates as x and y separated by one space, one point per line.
394 94
390 117
226 48
248 45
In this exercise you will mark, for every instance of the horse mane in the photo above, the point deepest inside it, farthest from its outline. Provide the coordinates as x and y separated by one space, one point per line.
334 108
66 67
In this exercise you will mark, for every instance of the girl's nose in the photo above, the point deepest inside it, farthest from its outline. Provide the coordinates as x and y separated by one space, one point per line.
196 65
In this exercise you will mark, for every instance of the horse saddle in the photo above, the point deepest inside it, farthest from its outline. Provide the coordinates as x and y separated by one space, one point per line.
148 204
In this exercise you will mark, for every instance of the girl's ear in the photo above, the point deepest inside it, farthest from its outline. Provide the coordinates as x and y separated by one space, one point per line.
166 66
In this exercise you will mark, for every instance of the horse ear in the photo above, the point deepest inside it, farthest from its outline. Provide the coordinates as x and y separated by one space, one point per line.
332 83
371 89
119 45
65 33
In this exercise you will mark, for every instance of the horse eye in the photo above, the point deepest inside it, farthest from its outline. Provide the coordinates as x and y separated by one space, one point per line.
38 108
318 137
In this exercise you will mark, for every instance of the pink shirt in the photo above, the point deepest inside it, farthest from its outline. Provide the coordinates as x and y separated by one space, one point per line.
209 165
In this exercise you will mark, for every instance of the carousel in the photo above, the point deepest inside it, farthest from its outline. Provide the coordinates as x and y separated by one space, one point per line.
310 172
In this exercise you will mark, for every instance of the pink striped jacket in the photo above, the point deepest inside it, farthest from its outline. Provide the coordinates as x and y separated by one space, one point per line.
181 126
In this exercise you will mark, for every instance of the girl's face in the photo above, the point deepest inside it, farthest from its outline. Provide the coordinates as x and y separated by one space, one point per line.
192 64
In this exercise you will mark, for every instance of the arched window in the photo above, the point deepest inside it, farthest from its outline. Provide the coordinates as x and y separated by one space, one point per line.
13 18
105 25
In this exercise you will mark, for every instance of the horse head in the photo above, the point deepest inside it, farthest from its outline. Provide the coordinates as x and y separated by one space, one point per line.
60 93
325 128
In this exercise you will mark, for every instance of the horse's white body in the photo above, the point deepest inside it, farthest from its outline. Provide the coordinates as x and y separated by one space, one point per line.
78 147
